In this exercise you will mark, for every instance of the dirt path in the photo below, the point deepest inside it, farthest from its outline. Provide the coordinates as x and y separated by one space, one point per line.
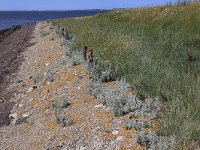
12 45
88 124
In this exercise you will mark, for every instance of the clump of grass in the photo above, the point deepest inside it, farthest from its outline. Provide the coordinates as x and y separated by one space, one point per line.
49 78
155 49
65 103
185 128
59 106
62 120
37 78
59 112
64 62
140 95
52 69
41 79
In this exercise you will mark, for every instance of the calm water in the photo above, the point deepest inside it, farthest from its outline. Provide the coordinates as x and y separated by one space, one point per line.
11 18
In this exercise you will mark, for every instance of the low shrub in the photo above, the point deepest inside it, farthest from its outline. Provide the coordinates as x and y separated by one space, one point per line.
49 77
64 62
37 78
137 124
59 106
102 71
59 112
63 121
151 141
121 103
43 33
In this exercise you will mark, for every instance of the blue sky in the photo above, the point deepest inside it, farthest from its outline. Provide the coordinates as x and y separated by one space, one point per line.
76 4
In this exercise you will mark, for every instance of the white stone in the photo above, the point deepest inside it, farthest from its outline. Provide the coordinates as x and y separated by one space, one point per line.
20 105
82 148
115 132
45 74
25 115
30 89
98 106
47 64
14 116
120 138
47 112
112 143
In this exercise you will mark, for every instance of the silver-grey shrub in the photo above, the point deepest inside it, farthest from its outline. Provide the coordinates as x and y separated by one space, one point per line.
59 112
137 124
102 71
121 103
152 141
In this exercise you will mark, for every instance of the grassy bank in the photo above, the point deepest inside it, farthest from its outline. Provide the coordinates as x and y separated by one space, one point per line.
157 50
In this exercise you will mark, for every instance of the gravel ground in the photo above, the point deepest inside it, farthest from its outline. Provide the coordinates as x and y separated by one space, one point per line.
89 125
12 44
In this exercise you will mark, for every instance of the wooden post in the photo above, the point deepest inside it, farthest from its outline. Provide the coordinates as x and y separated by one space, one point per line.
62 31
67 35
90 58
84 54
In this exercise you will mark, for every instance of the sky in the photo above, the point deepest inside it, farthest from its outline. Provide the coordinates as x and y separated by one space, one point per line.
76 4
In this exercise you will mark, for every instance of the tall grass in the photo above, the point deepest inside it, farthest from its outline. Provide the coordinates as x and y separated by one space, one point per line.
157 50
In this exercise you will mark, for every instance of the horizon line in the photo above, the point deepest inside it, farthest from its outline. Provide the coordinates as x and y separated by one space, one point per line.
90 8
60 9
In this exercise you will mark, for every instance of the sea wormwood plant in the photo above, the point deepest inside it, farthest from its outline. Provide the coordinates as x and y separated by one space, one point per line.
121 103
151 140
37 78
59 112
43 33
137 124
102 71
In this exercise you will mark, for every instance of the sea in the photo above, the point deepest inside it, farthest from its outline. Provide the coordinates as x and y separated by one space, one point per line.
13 18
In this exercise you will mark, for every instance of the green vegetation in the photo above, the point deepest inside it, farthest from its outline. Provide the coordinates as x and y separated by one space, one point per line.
61 118
158 51
43 33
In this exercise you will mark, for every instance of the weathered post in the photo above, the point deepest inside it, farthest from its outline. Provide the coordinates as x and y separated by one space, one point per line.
90 58
62 31
84 54
66 35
